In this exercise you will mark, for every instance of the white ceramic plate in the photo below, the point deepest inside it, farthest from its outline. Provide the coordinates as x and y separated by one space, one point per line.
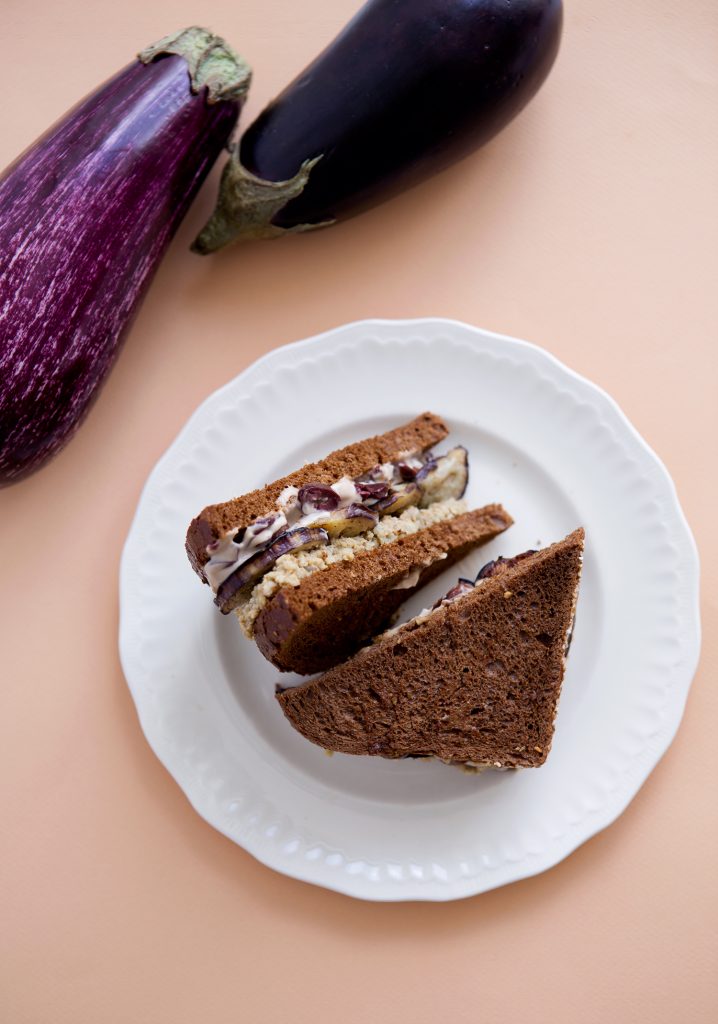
558 453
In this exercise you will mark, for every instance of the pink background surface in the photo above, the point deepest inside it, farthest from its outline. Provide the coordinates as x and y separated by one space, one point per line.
588 227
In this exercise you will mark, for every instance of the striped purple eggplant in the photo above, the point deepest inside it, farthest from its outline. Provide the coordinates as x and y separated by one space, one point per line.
407 88
86 214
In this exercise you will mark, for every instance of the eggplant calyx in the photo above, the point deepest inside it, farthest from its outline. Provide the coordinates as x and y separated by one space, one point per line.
247 204
211 63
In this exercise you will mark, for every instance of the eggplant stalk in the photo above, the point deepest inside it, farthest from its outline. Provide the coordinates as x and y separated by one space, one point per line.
211 63
246 205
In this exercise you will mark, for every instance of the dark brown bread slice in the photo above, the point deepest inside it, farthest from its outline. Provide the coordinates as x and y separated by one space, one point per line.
215 520
477 681
324 620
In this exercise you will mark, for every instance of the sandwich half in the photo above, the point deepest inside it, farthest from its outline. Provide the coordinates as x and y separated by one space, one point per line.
475 680
317 562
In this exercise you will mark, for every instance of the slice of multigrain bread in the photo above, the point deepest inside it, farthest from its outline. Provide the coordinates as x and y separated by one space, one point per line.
477 681
216 520
326 618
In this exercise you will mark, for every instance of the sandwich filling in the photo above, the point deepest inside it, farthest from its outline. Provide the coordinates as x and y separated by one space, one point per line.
289 570
318 516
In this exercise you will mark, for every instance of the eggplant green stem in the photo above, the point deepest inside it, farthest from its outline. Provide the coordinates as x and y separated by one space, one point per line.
247 204
211 62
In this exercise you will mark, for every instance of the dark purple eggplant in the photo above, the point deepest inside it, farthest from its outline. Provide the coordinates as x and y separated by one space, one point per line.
349 521
407 88
501 564
464 586
444 476
398 499
228 592
86 214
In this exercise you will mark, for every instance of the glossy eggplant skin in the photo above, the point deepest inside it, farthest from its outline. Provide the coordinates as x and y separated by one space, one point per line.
408 87
86 214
